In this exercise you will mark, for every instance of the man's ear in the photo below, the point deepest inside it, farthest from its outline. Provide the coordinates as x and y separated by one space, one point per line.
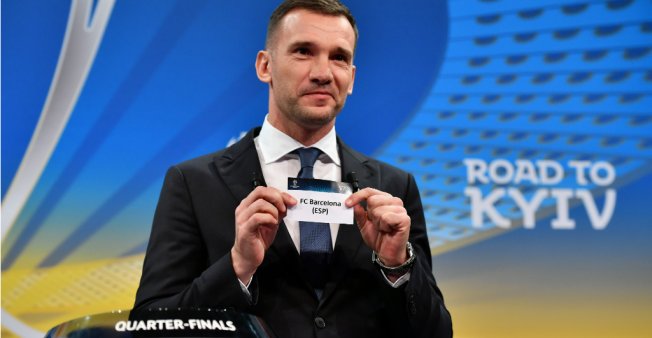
350 91
263 69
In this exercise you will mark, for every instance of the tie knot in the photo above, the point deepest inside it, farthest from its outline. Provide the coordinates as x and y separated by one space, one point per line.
308 157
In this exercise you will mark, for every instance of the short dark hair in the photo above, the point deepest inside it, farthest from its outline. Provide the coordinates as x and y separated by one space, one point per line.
326 7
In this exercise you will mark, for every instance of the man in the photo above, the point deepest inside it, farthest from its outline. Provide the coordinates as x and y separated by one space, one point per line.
219 237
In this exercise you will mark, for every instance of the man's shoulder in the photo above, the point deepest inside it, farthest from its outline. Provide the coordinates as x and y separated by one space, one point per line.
384 169
200 161
230 153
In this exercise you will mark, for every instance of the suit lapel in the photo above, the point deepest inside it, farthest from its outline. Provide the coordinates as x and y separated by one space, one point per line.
349 240
354 162
238 166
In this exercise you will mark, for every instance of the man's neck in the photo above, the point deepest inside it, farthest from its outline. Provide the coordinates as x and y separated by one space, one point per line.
301 134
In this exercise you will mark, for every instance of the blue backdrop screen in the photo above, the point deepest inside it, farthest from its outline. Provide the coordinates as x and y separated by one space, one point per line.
528 126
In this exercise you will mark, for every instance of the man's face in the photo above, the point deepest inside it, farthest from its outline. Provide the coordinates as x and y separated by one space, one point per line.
309 66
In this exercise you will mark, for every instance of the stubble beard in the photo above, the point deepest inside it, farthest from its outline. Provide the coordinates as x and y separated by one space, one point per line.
309 117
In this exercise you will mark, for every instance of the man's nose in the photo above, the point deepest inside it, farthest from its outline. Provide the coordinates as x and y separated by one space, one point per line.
321 72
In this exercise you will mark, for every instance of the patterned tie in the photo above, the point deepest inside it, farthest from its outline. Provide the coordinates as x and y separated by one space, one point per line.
316 246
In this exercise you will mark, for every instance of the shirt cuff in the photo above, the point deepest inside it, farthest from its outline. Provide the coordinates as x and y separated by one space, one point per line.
400 281
245 287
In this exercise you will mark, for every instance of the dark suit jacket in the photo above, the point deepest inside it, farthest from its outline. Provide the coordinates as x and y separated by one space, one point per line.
188 262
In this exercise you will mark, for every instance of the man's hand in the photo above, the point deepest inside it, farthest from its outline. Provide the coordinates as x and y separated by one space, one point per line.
384 225
256 221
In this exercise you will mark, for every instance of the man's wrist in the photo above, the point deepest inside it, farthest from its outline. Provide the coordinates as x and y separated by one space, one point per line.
394 261
242 271
394 272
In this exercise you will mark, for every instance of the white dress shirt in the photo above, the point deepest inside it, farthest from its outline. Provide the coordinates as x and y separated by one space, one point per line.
277 162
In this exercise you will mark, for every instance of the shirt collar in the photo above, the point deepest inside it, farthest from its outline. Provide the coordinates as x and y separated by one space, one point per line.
274 144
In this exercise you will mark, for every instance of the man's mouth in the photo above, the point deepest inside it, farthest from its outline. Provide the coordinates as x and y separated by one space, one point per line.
319 93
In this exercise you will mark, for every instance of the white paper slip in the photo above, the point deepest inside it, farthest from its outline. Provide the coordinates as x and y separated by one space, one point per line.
320 201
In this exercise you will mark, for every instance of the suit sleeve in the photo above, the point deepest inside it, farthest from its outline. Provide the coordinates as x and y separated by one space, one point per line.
427 314
176 270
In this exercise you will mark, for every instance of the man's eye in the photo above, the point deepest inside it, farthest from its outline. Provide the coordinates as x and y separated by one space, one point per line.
341 58
303 51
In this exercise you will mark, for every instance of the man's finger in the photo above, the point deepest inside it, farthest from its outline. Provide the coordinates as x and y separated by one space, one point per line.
360 215
262 206
269 194
288 199
243 213
377 201
256 221
391 222
363 195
